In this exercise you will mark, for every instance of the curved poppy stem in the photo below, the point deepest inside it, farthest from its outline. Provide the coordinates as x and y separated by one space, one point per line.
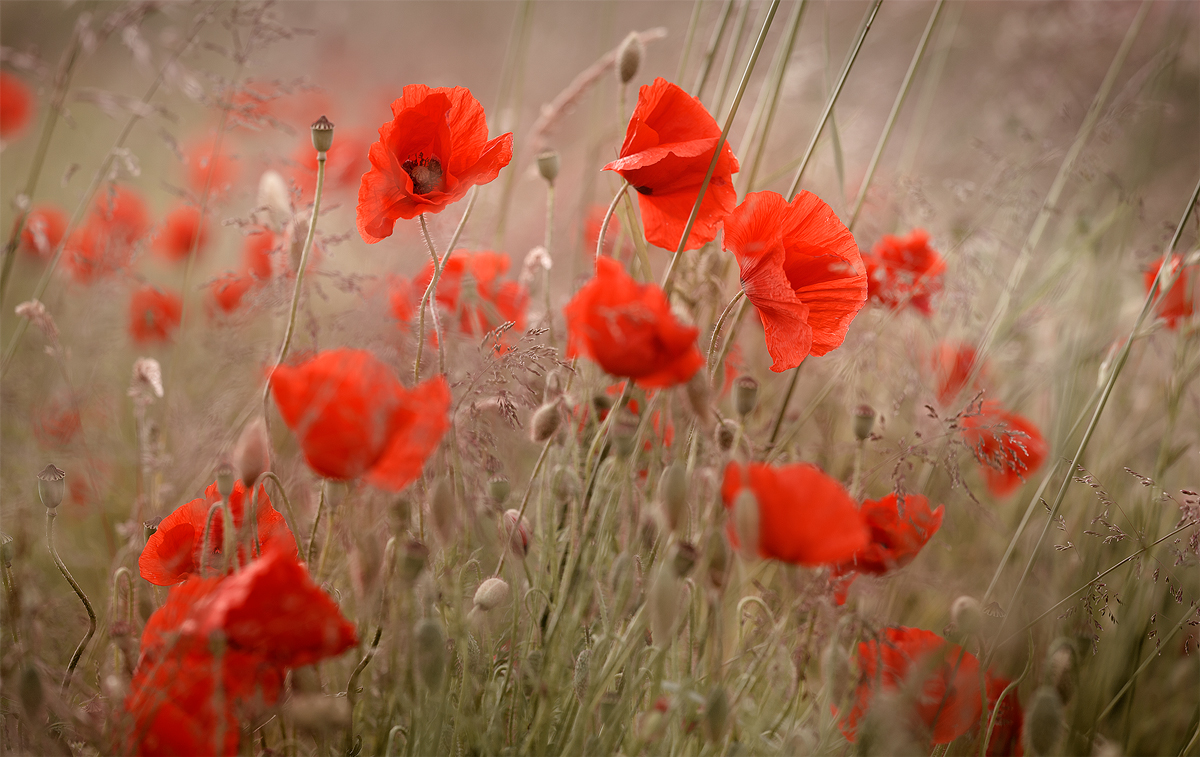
310 553
712 345
212 510
127 574
787 399
66 684
537 468
431 290
608 214
438 266
270 476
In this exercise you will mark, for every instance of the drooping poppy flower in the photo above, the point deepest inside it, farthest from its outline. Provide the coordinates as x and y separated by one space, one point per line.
1007 445
44 228
433 150
629 329
181 233
225 294
345 163
153 315
16 106
898 528
1178 303
668 147
206 168
801 270
805 516
471 290
942 678
256 252
354 418
905 270
174 552
952 366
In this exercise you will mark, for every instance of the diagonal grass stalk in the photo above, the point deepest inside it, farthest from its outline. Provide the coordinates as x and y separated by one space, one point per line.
711 53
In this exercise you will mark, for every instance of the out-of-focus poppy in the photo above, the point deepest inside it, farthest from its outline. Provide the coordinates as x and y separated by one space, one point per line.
44 228
402 300
668 147
56 423
1178 303
256 252
942 679
629 330
1007 445
802 271
1006 734
227 291
905 270
181 233
354 418
104 244
952 366
898 528
345 163
123 212
153 315
805 517
433 150
174 551
16 106
207 168
471 290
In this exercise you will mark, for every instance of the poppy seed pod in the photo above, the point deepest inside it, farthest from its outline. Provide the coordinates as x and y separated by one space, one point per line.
498 489
6 550
624 428
716 713
746 523
516 528
672 493
580 680
51 486
683 559
252 454
545 422
967 615
322 134
491 594
745 395
864 422
225 479
1043 722
430 654
629 57
443 508
547 164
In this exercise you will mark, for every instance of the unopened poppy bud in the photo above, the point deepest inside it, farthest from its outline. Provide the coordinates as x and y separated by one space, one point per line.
322 134
51 486
683 559
746 523
582 674
1043 722
1060 668
430 640
967 615
413 560
547 163
443 509
864 422
672 494
608 706
516 528
225 479
699 395
491 594
545 422
318 713
629 57
663 604
718 559
716 713
745 395
602 402
498 489
252 453
726 430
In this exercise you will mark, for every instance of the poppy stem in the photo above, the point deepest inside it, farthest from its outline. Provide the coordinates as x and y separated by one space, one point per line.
438 266
550 196
787 398
608 214
712 345
62 568
310 553
294 525
537 468
431 290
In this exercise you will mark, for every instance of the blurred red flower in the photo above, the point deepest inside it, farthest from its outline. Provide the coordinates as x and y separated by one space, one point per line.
16 106
56 423
898 528
226 292
1007 445
44 228
173 552
345 163
1006 735
805 516
354 417
256 252
948 687
471 290
153 315
433 150
403 300
668 147
1176 304
218 172
104 245
952 365
628 328
905 270
181 232
802 271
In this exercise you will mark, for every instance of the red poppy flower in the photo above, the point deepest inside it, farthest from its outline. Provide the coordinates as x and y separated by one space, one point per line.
1175 304
104 245
227 292
16 106
1008 446
628 328
256 252
668 147
123 213
44 228
471 290
56 424
153 315
948 687
905 270
173 552
354 417
180 234
433 150
952 365
802 271
345 163
204 168
1006 734
403 300
805 516
898 528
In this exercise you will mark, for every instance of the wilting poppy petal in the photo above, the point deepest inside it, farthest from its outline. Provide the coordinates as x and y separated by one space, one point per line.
1007 445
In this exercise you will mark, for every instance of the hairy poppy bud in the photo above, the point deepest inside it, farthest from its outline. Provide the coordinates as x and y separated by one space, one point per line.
718 559
602 403
1043 722
663 604
672 495
716 713
699 395
746 523
725 435
1060 668
322 134
498 489
547 163
443 509
413 560
564 482
864 421
225 479
252 453
545 422
683 559
491 594
51 486
629 57
430 654
745 395
516 528
966 615
580 680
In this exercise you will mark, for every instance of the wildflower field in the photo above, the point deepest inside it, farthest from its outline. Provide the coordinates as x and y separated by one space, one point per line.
711 377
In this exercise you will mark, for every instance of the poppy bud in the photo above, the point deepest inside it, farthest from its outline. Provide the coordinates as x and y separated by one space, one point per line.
1043 722
725 434
545 422
252 453
699 395
718 559
31 692
1060 668
745 395
716 713
746 523
51 486
608 706
672 493
580 680
443 509
624 428
498 489
491 594
966 615
629 57
273 195
564 482
602 402
663 603
6 550
516 527
430 653
225 479
621 579
684 559
547 163
864 421
322 134
413 561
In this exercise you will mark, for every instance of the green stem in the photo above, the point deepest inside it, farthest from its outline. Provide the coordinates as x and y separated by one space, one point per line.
608 214
712 344
66 684
438 266
711 53
549 240
311 554
431 290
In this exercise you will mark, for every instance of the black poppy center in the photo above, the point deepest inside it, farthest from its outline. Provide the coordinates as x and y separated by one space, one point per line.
645 190
426 173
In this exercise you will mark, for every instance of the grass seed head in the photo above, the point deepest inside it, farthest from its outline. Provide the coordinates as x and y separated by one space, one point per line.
629 57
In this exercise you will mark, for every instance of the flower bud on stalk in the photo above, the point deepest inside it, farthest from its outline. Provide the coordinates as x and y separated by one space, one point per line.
623 431
1060 668
547 163
430 653
6 550
683 559
491 594
672 493
225 479
652 724
726 432
718 560
516 527
51 486
699 395
413 560
322 134
745 395
252 453
545 422
864 422
629 57
966 615
1043 722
